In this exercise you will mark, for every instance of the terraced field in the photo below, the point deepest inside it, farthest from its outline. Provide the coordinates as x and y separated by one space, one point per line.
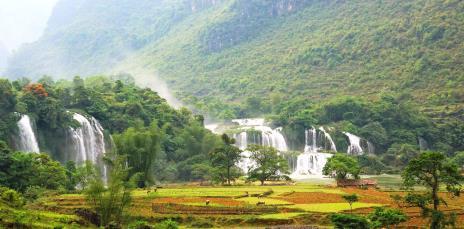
237 206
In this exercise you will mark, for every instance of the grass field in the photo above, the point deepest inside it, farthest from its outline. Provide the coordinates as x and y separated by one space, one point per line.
292 204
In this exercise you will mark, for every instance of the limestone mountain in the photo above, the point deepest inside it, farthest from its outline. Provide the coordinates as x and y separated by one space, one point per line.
236 58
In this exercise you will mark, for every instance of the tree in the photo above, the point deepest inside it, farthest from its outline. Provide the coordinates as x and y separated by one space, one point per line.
110 203
351 199
431 169
141 146
341 166
349 221
386 217
226 157
268 163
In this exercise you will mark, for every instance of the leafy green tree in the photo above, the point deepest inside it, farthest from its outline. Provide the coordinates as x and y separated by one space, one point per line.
432 169
341 166
225 158
141 147
385 217
351 199
349 221
268 163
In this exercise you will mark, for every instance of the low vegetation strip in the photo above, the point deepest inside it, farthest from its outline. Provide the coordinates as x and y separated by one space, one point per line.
310 198
332 207
206 210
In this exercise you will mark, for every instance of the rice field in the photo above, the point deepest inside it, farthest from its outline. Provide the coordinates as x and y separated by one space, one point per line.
247 206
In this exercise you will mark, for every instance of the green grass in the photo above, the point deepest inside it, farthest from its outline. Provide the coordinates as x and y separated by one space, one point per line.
236 190
36 219
281 215
203 204
332 207
268 201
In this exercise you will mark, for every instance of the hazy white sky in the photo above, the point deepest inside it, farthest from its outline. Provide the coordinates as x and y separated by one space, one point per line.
23 21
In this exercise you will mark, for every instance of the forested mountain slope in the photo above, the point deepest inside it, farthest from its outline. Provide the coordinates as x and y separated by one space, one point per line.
245 57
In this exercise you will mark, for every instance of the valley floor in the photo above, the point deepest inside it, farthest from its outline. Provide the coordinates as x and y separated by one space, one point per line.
230 207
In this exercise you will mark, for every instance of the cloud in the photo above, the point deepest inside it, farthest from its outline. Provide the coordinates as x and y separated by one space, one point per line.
23 21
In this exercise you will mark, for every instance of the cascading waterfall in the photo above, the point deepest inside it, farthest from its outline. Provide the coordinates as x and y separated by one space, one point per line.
312 160
328 139
27 140
88 141
355 144
267 137
358 145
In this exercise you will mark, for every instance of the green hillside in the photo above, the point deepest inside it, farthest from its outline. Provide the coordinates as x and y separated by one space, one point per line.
235 58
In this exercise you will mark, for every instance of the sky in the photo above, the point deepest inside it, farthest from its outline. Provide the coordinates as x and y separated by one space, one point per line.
23 21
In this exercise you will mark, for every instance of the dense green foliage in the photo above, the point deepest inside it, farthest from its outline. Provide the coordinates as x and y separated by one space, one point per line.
141 147
159 141
225 57
20 170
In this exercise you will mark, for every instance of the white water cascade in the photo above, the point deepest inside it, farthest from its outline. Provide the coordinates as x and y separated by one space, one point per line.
312 160
88 141
358 146
27 140
267 137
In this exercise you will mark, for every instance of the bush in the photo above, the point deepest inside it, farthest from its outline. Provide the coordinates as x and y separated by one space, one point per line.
33 192
202 224
167 224
11 197
139 224
344 221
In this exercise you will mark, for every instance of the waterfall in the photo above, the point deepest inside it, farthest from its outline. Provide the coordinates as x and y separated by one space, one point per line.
241 140
88 141
27 140
423 145
328 139
312 160
355 144
266 137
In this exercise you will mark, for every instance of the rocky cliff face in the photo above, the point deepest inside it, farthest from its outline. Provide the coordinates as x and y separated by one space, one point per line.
197 5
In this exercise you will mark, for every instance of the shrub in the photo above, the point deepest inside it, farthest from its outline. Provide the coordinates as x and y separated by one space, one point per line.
167 224
11 197
139 224
344 221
